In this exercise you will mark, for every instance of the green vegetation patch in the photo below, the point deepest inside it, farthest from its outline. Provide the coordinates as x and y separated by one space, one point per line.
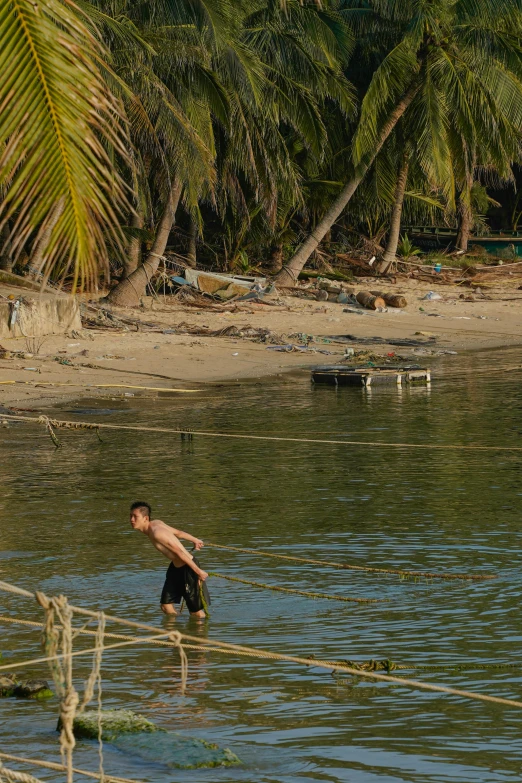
10 685
176 751
114 723
138 736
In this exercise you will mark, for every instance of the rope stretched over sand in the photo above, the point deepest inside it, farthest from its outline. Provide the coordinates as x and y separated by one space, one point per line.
100 386
256 653
307 594
348 566
61 768
271 438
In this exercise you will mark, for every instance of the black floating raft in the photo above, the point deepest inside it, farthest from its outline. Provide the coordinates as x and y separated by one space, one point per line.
340 375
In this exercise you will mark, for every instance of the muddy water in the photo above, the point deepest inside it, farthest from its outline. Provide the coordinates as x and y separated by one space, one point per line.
64 527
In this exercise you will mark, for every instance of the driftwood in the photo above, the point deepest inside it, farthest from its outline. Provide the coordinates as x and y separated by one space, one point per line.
392 300
356 263
370 301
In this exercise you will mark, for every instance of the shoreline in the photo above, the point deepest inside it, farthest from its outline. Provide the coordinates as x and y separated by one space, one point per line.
119 364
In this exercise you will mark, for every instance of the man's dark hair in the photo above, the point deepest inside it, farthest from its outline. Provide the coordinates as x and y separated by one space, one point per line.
143 507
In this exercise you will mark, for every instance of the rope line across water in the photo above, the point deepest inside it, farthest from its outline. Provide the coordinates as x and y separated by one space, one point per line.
371 665
269 655
305 593
60 768
17 777
62 424
351 567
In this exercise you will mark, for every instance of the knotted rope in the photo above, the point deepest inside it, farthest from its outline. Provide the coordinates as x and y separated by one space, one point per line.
46 421
270 438
58 645
238 649
52 424
385 664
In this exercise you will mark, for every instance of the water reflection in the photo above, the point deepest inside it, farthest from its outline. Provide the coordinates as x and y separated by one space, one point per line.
64 527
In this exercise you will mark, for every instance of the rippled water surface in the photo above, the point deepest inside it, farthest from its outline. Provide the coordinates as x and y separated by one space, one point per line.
64 527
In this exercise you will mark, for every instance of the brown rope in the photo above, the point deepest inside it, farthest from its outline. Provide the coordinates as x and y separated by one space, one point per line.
348 566
61 768
238 649
270 438
305 593
17 777
373 665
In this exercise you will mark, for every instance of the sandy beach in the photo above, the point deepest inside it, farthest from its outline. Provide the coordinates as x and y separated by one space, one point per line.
99 362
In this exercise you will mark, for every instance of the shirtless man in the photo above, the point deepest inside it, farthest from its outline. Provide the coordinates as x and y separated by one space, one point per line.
184 574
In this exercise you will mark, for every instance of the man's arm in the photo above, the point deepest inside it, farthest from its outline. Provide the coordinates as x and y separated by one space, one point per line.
170 542
198 543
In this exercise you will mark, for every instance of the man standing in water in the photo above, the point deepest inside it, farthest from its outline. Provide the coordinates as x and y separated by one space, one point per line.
185 579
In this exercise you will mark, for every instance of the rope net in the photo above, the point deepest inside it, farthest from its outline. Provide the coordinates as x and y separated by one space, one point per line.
58 638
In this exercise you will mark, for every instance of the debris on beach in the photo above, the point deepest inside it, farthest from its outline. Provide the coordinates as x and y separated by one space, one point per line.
392 300
369 301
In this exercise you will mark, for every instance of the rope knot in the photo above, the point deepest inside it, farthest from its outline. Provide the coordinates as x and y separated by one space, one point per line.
48 423
42 600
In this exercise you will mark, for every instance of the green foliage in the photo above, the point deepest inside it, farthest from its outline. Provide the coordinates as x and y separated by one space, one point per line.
406 249
60 134
260 109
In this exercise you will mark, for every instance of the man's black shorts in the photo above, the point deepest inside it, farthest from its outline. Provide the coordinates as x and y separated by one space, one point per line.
183 583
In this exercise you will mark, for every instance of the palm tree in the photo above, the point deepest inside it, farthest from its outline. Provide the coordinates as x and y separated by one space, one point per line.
60 131
175 98
241 89
450 66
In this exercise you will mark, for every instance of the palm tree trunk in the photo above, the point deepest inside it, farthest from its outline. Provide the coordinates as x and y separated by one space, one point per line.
192 249
129 291
388 257
276 258
6 256
131 263
290 271
465 216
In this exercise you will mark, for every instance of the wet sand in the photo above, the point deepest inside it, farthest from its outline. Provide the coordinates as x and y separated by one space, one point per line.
156 360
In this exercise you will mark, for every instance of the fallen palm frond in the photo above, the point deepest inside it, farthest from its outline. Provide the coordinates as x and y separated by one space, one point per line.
59 131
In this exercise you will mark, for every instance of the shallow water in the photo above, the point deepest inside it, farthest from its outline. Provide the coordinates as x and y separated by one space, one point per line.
64 528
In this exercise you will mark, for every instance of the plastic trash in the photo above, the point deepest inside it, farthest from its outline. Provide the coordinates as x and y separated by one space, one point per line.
349 351
179 280
15 306
432 296
438 267
344 298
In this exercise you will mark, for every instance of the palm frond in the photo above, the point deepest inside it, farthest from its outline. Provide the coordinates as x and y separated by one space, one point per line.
57 120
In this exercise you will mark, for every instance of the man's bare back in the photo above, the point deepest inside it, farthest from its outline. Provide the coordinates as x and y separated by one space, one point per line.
166 540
